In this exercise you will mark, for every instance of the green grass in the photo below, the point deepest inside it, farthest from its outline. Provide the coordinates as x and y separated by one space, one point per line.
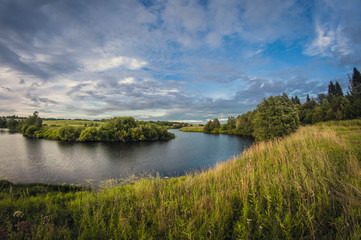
195 128
73 123
304 186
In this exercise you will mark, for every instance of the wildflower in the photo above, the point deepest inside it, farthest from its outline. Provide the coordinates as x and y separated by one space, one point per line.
249 220
18 214
260 227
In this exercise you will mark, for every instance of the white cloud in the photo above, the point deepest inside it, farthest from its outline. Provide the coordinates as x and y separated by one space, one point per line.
328 41
325 38
105 64
128 80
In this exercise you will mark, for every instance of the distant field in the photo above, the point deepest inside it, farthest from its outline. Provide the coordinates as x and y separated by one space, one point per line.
194 128
73 123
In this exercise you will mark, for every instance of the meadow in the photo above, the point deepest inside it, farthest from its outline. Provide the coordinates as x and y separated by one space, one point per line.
303 186
73 123
193 128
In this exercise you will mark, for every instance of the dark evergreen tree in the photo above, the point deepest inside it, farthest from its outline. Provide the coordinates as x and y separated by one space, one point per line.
331 90
338 90
355 83
297 100
355 93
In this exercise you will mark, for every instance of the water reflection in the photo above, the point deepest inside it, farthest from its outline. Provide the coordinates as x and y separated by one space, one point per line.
30 160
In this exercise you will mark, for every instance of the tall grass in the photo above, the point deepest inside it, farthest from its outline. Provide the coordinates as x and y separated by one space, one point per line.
305 186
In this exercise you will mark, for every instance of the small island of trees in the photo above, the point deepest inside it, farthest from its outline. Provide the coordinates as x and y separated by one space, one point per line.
117 129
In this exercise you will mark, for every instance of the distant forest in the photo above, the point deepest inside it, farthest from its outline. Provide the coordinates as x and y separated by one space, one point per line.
277 116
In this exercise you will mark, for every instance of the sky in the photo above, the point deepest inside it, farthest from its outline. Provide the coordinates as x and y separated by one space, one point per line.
176 60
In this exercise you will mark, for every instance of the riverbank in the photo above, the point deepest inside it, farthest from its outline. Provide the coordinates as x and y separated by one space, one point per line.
306 185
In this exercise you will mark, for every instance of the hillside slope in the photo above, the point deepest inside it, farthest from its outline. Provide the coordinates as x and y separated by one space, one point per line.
307 185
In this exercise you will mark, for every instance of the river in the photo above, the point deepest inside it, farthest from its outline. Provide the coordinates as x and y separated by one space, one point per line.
25 160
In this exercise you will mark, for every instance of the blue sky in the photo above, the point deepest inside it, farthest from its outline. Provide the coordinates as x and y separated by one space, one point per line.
170 60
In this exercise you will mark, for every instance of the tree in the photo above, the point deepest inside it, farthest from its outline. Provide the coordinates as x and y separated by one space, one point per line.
355 83
338 90
12 123
331 90
208 127
216 124
355 92
275 117
296 100
244 125
231 123
34 120
320 98
3 122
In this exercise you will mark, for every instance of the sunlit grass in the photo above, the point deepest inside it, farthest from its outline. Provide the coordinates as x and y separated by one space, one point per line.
305 186
195 128
73 123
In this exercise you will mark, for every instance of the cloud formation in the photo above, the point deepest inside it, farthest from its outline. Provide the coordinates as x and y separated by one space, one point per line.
168 59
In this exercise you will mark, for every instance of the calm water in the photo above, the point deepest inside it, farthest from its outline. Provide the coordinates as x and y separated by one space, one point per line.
38 160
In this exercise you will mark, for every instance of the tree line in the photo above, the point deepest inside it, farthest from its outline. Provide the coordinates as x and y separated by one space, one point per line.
277 116
117 129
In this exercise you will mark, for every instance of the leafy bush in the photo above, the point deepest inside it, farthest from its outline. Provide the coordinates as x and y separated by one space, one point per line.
68 133
275 117
89 134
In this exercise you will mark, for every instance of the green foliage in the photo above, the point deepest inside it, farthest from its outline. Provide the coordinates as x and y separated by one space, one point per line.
30 131
295 100
89 134
12 123
215 124
116 129
207 126
68 133
244 124
275 117
34 120
3 122
212 126
334 105
355 93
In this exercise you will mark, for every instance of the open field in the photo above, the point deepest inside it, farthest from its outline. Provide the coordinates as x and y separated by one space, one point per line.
304 186
194 128
73 123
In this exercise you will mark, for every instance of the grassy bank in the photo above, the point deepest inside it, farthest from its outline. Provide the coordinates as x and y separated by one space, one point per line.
195 128
307 185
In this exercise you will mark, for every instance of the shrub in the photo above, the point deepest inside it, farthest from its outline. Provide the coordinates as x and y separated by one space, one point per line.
275 117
